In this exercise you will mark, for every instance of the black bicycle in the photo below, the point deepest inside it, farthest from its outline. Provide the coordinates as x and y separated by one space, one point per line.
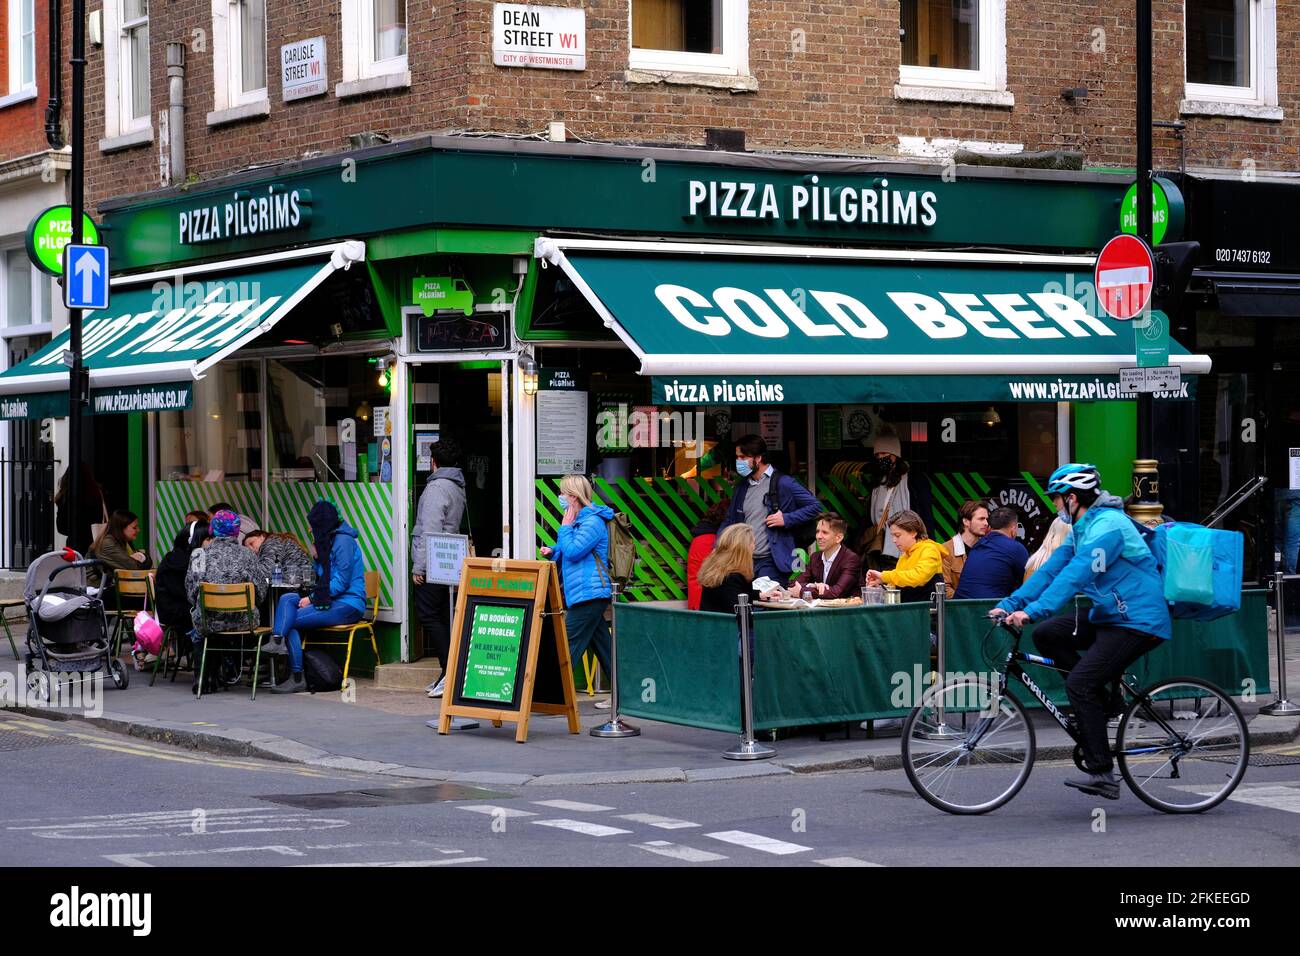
1181 745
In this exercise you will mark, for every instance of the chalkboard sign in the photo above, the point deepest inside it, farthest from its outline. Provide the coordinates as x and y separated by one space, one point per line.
509 655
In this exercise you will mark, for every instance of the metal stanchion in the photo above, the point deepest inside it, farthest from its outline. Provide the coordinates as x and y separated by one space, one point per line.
941 729
1281 707
748 748
615 726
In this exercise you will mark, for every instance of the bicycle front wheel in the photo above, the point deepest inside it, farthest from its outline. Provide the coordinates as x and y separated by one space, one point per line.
976 755
1186 750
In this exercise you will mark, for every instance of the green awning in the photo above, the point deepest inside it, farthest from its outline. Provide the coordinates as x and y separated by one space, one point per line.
167 397
171 327
729 310
867 389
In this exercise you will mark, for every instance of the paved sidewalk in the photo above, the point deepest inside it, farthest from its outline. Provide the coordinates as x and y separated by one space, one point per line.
385 732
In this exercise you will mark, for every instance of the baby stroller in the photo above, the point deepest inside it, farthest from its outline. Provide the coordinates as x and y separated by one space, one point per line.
67 629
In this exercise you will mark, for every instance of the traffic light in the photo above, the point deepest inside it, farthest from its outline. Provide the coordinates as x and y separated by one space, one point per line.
1174 264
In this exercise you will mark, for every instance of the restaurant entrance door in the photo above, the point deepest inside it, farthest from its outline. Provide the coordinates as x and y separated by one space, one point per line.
461 402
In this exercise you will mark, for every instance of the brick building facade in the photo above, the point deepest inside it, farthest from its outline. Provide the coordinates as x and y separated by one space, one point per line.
820 77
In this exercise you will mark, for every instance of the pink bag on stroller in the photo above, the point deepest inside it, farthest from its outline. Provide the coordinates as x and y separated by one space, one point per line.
148 634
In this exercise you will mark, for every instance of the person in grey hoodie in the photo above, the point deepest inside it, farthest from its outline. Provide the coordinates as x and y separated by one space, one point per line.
440 511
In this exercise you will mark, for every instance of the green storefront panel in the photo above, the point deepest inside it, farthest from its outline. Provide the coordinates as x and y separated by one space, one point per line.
720 312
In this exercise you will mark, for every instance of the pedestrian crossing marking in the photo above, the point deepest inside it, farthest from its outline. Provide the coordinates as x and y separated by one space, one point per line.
498 811
580 826
663 823
845 861
687 854
756 841
572 806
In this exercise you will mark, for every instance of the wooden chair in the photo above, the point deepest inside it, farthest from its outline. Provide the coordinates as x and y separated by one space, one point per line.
5 605
137 586
366 623
230 599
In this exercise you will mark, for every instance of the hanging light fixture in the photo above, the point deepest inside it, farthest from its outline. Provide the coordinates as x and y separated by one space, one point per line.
363 411
991 417
528 368
384 377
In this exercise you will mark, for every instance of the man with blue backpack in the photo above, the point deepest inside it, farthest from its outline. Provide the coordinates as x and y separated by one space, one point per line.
1106 559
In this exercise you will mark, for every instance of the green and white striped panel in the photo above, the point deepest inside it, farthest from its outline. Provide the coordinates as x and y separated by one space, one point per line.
173 498
366 506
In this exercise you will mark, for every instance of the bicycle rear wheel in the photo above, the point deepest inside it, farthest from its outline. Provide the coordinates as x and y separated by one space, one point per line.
1187 750
973 770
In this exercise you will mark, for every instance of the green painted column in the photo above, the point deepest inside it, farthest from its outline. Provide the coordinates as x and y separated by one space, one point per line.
1105 434
136 462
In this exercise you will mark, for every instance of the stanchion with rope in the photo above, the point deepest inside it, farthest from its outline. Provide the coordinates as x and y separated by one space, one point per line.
1281 707
615 726
941 729
748 748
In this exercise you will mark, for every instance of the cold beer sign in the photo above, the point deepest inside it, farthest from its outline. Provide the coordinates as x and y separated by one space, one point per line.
545 38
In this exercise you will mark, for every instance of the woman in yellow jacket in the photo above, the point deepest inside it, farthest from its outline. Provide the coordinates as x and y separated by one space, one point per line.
920 558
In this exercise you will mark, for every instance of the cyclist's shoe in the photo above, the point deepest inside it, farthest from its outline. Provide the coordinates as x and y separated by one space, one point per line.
1097 784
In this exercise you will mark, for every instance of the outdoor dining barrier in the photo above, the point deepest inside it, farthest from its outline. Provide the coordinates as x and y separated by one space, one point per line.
615 726
829 666
1282 706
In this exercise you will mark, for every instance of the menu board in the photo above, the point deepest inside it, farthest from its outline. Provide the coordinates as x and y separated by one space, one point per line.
496 637
561 432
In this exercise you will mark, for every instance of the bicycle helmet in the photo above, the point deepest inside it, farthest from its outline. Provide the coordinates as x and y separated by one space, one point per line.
1073 477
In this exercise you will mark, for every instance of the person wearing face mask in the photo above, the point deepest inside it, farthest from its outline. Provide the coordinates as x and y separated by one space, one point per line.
582 553
898 488
771 503
1105 559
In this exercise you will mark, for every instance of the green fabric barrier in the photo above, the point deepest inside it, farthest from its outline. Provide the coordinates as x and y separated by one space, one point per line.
1225 652
822 667
691 656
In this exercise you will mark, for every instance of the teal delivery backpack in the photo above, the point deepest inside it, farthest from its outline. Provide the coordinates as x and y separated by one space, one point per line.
1201 569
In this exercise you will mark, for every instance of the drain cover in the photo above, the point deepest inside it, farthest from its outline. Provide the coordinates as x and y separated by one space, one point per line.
384 797
1274 760
14 740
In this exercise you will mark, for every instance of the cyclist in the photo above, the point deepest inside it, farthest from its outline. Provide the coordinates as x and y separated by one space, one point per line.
1105 559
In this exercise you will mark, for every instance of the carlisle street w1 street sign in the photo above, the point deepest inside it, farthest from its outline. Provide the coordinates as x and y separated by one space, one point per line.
1124 276
85 277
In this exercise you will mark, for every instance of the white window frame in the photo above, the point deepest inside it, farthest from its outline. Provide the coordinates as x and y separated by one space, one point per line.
16 86
42 289
357 26
732 61
992 74
228 60
1262 44
118 123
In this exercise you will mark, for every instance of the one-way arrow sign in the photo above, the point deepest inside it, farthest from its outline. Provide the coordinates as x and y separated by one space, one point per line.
85 277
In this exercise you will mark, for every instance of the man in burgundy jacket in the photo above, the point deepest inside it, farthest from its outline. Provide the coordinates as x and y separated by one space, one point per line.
833 571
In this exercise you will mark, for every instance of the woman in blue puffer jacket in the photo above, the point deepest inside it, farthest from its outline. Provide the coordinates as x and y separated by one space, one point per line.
582 552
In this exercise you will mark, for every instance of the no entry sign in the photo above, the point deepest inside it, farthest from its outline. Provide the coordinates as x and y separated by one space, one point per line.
1124 276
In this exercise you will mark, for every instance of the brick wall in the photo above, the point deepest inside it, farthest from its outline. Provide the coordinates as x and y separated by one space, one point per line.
22 125
837 94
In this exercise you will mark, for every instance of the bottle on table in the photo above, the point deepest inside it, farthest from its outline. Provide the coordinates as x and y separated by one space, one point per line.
277 576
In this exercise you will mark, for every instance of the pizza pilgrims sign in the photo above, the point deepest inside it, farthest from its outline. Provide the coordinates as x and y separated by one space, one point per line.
1124 276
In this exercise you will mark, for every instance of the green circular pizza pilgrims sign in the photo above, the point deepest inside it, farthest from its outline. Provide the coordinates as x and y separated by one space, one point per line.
50 232
1166 211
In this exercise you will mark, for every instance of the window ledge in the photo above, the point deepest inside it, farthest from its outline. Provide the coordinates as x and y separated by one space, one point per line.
373 84
719 81
234 114
1252 111
141 137
22 96
945 94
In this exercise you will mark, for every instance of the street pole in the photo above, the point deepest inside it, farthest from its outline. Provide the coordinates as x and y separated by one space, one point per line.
1146 506
78 379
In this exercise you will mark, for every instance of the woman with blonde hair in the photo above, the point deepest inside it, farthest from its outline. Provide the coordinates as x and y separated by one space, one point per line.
728 571
582 553
1056 535
920 559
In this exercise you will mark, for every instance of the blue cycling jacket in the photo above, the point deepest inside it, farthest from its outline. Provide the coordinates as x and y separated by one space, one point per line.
1106 560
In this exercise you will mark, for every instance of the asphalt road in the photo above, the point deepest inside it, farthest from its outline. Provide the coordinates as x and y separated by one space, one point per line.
73 796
